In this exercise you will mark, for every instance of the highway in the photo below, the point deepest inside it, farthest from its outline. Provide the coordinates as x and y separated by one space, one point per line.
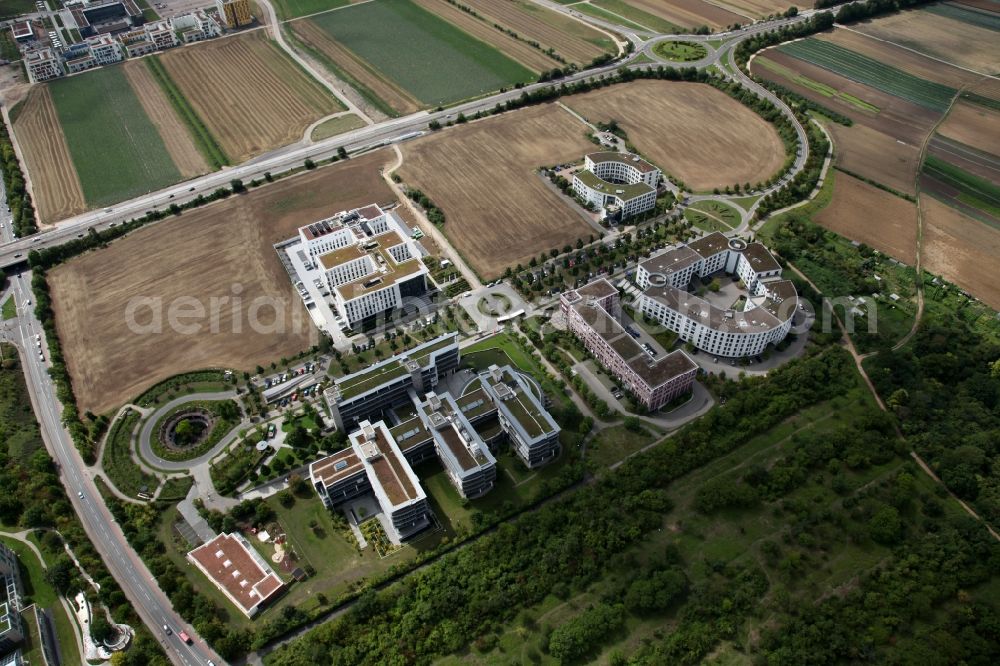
124 564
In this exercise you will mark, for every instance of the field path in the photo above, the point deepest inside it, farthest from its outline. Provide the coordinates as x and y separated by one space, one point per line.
426 225
274 26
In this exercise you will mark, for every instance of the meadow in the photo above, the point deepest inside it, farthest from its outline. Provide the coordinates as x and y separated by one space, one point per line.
289 9
871 72
425 55
118 154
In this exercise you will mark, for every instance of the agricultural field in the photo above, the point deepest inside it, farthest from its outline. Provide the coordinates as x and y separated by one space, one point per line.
610 17
111 364
289 9
55 184
963 178
867 152
574 40
759 8
116 149
690 130
933 33
250 95
690 13
872 216
973 125
483 30
426 56
961 249
483 176
619 9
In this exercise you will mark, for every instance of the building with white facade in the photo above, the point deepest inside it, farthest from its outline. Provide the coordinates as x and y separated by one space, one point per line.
466 458
195 26
591 313
239 571
533 434
618 184
11 625
765 318
92 52
368 266
43 64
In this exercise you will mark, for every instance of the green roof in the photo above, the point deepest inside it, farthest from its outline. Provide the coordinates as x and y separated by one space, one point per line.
421 355
360 382
622 191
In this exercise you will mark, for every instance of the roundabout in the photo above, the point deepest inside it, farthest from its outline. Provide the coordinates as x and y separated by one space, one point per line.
189 430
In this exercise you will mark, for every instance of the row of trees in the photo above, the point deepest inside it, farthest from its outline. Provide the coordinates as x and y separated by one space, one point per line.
21 211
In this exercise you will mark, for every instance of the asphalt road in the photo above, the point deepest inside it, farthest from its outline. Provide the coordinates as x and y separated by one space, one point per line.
136 581
146 434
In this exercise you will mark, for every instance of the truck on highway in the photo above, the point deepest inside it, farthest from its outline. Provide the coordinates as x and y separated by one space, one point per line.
184 637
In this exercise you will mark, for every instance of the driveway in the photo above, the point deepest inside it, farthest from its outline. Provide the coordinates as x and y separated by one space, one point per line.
146 434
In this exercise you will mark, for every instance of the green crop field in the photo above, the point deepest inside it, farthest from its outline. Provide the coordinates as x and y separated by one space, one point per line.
427 56
816 86
870 72
625 10
965 15
116 150
289 9
965 191
597 12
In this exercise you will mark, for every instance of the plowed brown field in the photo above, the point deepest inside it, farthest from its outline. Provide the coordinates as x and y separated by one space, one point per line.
872 216
757 8
520 51
483 176
961 249
872 154
397 98
571 39
250 95
690 130
222 250
54 183
973 125
689 13
953 41
176 136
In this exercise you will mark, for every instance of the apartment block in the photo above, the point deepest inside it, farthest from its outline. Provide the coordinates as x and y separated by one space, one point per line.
234 13
591 313
533 434
43 64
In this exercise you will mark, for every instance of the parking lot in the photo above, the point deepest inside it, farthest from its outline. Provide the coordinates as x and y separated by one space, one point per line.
169 8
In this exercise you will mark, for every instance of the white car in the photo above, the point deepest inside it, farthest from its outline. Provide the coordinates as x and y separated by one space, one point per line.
80 494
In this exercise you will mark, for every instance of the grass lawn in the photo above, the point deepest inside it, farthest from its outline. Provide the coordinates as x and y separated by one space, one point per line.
12 8
9 308
424 54
335 126
503 350
712 216
746 202
597 12
38 589
116 149
614 444
288 9
680 51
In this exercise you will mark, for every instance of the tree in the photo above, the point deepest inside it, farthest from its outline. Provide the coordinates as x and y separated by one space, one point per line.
184 432
885 525
100 629
342 153
237 185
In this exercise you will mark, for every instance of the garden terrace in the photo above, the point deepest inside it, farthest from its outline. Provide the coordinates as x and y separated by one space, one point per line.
359 383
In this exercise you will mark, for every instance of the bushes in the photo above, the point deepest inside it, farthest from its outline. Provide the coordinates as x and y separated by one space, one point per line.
21 211
434 214
573 639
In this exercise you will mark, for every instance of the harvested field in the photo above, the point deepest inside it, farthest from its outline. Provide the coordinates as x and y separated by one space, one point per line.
520 51
55 185
757 8
690 13
251 95
691 130
953 41
500 212
966 157
896 117
187 257
962 250
573 40
973 125
907 61
176 136
872 216
355 71
872 154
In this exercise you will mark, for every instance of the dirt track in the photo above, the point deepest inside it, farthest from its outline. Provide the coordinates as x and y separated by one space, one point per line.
54 181
216 251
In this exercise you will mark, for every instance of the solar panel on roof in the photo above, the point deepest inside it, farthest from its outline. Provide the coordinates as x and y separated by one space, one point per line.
341 464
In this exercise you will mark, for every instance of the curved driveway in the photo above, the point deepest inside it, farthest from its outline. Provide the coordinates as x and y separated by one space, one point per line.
146 434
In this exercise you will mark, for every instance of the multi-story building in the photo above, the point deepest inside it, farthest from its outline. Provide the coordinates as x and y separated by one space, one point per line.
466 458
92 52
766 317
618 184
533 433
591 313
368 393
42 64
11 627
234 13
239 571
99 17
196 26
22 31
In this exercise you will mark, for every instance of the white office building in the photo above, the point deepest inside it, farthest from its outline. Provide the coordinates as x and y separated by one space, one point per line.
766 316
618 184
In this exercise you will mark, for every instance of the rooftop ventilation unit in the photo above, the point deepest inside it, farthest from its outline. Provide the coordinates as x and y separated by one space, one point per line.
339 465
